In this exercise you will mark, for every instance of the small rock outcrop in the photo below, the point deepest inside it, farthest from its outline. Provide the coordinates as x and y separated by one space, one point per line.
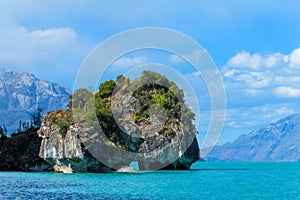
60 168
126 169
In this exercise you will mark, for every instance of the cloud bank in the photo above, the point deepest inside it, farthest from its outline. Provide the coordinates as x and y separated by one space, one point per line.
277 75
19 45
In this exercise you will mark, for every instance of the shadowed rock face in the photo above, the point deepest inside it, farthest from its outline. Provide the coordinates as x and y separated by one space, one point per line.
159 149
21 153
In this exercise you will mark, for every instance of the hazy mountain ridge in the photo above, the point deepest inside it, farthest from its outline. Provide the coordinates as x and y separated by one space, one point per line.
279 141
21 93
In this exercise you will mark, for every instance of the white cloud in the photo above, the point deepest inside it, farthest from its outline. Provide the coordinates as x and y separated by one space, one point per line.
130 62
263 115
58 34
287 92
255 79
194 57
230 73
260 89
233 124
193 75
276 74
174 59
255 61
284 111
43 52
287 79
21 46
252 92
294 59
242 121
244 59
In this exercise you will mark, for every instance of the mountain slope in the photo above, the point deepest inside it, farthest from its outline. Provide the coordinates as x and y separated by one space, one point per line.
22 93
277 142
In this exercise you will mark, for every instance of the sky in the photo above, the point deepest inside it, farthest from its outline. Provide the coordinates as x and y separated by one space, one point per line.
254 44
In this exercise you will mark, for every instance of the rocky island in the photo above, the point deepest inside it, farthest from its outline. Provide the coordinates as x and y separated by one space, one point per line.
152 123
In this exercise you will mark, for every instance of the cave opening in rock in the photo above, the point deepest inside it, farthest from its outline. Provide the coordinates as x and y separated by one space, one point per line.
135 165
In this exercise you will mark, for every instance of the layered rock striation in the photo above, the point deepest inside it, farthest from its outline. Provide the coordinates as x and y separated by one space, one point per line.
60 142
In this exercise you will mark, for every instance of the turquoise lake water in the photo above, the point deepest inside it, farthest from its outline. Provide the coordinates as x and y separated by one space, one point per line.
206 181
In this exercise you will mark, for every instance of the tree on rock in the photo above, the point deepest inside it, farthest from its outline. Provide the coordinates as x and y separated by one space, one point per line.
36 118
1 131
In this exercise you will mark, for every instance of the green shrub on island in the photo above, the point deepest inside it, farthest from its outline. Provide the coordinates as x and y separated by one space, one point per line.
151 89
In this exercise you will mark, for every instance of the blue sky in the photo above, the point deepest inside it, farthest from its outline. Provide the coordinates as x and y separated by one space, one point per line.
255 45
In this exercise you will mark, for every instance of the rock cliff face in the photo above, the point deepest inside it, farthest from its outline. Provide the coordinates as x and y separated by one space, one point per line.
21 94
157 135
278 142
60 142
64 144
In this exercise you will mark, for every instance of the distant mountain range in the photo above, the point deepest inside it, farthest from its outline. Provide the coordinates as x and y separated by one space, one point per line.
22 93
276 142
